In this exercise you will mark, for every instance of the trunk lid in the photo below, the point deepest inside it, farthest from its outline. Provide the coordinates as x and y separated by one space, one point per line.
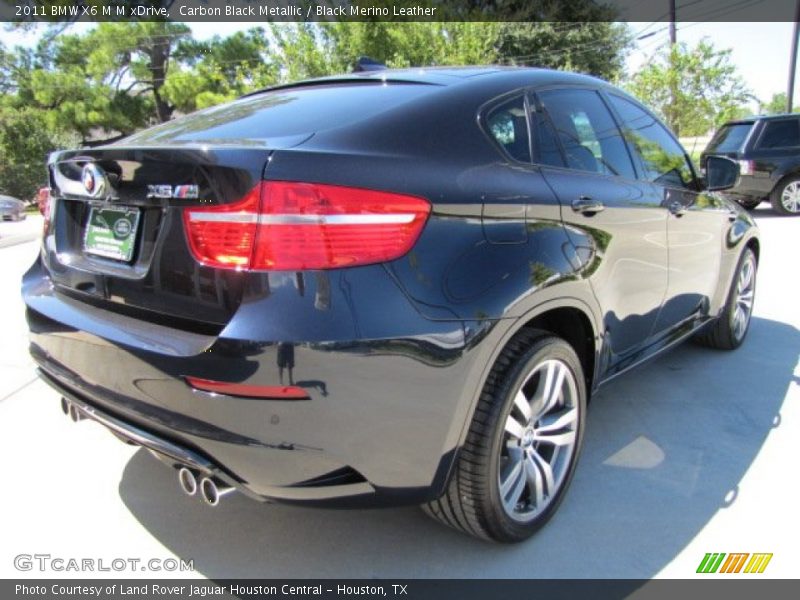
116 239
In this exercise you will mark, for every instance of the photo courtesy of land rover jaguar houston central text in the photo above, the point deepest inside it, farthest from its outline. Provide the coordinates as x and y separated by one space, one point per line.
385 288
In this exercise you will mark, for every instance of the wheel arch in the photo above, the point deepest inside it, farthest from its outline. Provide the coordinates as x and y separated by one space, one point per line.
781 176
559 317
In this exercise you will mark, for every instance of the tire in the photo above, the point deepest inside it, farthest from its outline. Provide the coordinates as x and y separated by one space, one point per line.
785 198
727 332
750 203
510 476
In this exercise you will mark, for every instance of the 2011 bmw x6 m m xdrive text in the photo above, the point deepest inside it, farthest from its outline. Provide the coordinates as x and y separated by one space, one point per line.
400 287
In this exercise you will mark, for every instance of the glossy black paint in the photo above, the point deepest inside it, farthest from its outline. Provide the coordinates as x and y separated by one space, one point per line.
771 165
393 356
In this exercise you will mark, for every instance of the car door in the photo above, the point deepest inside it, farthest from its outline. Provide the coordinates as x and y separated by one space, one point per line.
616 222
696 219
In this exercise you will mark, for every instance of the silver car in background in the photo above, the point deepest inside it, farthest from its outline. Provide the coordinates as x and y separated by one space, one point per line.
11 209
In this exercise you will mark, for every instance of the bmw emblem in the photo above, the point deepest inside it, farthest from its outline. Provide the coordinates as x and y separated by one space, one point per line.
93 179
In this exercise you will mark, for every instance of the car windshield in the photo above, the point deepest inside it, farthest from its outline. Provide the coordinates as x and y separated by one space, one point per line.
730 138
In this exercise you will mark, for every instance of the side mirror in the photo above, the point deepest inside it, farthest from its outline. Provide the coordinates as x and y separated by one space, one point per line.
721 173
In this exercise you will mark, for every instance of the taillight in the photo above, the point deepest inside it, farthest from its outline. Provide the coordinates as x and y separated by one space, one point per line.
45 202
747 167
282 225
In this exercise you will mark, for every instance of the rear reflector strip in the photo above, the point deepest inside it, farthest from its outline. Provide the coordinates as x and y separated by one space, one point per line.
242 390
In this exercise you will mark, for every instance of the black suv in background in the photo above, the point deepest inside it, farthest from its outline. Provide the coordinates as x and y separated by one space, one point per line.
768 152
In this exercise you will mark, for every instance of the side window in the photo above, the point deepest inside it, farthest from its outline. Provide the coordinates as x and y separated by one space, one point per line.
663 158
588 134
546 150
780 134
508 125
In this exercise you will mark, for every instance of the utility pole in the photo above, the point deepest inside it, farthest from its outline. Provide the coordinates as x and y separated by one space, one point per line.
673 36
672 117
793 58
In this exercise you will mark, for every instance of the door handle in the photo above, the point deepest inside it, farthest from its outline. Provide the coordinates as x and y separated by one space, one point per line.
587 206
677 209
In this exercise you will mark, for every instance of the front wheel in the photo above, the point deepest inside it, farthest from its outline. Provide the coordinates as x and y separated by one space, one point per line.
785 198
728 331
523 443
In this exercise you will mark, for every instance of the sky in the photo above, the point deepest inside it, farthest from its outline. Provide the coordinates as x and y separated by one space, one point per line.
760 51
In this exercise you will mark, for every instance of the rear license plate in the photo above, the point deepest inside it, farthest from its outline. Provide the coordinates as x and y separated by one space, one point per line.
111 232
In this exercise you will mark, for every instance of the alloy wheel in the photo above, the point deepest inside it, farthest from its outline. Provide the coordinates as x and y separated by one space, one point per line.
790 197
743 301
539 439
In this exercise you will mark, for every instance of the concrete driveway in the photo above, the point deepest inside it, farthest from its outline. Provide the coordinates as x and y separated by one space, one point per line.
693 453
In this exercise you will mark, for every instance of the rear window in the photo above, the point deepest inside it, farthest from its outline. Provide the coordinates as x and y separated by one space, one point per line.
730 138
780 134
508 125
282 113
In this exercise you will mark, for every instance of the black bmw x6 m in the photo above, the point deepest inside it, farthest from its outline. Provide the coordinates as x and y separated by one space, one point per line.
399 287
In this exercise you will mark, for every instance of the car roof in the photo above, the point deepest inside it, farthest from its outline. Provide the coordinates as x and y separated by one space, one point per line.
443 76
754 118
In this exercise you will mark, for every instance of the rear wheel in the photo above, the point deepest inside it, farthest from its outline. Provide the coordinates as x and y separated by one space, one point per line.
785 198
728 331
522 445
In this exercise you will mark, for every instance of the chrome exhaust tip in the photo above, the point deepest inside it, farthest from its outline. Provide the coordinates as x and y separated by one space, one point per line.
187 481
74 413
212 492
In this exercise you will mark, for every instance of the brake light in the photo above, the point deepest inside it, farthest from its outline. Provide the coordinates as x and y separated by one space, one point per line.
283 225
45 201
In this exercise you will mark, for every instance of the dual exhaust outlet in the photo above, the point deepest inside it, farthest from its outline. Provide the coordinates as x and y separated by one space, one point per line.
210 488
69 409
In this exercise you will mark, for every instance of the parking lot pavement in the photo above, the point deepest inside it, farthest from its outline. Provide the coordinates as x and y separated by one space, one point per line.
694 453
17 232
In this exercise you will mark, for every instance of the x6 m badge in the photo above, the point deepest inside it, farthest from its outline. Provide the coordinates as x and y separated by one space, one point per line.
167 191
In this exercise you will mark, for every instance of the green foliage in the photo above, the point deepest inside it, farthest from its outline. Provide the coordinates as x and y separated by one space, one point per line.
118 78
777 105
596 48
220 69
311 50
694 90
25 141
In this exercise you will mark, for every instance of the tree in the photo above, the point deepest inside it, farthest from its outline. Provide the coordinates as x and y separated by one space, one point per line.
777 105
694 90
219 69
311 50
596 48
25 141
108 81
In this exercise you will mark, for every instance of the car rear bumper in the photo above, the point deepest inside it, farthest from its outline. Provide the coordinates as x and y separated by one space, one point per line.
752 186
383 417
